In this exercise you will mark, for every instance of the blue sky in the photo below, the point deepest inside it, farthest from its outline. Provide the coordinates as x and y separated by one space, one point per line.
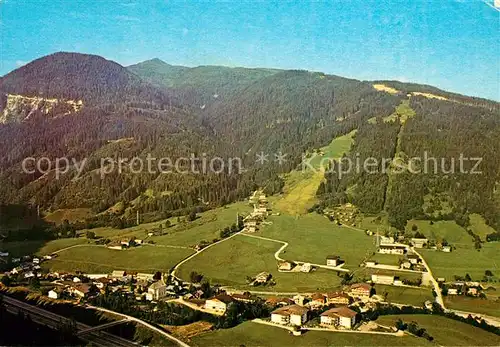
452 44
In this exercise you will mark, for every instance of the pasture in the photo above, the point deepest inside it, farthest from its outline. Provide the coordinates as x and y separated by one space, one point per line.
446 332
254 334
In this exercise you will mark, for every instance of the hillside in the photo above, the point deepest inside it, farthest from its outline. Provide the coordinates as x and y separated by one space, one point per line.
172 111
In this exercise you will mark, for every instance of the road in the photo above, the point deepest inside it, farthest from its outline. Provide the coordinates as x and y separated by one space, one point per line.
435 284
285 245
143 323
54 320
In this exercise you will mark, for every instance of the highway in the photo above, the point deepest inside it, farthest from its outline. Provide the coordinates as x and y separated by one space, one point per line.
53 320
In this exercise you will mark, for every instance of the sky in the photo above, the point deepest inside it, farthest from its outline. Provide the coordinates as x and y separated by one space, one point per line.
451 44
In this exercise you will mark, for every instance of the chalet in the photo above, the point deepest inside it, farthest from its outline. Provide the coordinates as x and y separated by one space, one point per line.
262 277
413 258
393 249
339 316
285 265
245 297
333 260
290 315
80 289
318 299
338 298
218 303
156 291
360 290
419 242
382 279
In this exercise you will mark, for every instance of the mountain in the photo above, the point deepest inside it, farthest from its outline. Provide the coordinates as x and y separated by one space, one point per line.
84 107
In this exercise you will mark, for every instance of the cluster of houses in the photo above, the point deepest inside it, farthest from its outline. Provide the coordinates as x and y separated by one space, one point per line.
295 311
259 213
468 288
28 266
144 286
124 243
290 266
345 214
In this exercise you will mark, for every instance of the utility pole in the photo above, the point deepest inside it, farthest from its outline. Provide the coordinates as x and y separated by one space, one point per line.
138 219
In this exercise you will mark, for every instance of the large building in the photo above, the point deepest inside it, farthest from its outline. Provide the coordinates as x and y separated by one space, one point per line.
360 290
382 279
290 315
219 303
339 316
156 291
392 249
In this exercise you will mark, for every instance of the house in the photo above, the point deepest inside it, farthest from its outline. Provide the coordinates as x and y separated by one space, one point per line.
392 249
285 266
441 279
338 298
156 291
299 299
428 305
333 260
360 290
36 261
274 301
4 254
397 281
290 315
115 245
125 243
262 277
370 263
55 293
138 242
245 297
406 264
101 283
141 276
386 239
339 316
80 289
47 257
118 274
318 299
382 279
473 291
413 258
218 303
419 242
76 279
446 249
306 267
96 276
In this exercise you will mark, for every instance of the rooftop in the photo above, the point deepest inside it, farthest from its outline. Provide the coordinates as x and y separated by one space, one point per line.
290 310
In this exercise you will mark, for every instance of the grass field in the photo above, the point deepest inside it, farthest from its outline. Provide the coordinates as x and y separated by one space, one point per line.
468 304
254 334
449 230
313 237
230 262
463 260
386 259
405 295
301 185
92 259
446 332
479 226
72 215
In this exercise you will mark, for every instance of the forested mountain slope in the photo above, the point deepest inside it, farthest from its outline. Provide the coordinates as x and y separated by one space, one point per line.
161 110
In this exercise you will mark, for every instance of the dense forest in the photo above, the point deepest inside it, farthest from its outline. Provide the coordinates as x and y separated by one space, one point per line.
159 110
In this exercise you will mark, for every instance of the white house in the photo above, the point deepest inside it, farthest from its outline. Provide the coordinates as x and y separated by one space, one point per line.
156 291
285 265
306 267
419 242
293 315
118 274
333 260
55 293
382 279
339 316
218 303
446 249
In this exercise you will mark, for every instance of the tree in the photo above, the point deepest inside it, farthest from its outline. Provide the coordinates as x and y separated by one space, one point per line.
168 224
90 235
468 278
191 216
414 227
195 277
488 273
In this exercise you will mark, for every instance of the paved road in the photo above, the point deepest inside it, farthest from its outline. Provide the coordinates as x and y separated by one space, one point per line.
143 323
439 297
285 245
53 320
